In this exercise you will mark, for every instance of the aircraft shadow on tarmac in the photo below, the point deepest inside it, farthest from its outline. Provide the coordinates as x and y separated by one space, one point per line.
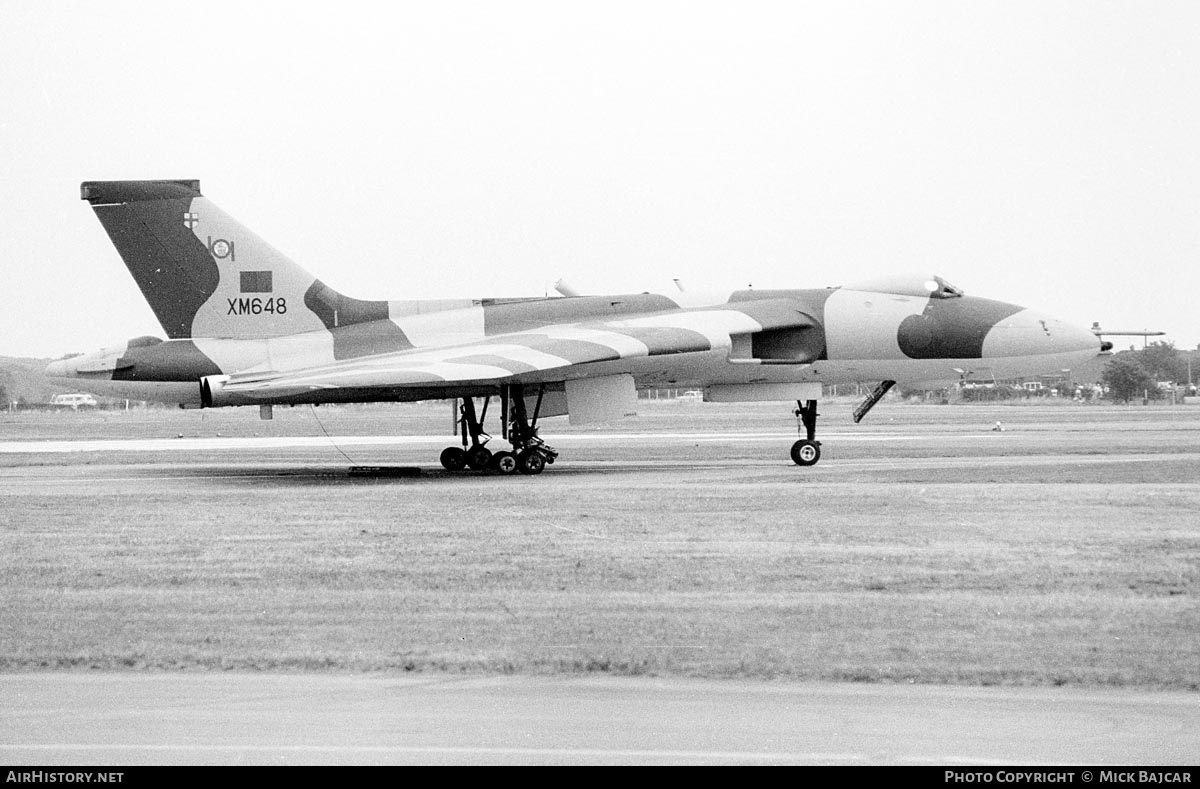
333 475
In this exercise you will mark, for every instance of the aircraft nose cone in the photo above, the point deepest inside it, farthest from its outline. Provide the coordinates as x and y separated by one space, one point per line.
58 369
1030 333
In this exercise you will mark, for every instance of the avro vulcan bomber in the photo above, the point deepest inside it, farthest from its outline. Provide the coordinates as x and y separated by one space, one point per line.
247 326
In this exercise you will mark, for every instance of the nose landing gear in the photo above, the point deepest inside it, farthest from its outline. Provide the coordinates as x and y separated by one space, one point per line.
806 451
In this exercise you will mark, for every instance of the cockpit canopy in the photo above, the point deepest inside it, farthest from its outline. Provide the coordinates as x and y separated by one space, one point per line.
930 286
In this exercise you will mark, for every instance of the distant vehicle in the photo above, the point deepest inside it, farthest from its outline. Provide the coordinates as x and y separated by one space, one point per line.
73 401
692 396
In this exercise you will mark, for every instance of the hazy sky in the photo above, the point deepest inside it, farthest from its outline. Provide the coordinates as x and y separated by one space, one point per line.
1044 153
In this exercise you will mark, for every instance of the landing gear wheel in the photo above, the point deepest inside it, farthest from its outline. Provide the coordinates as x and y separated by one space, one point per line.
478 457
504 463
806 453
453 459
530 461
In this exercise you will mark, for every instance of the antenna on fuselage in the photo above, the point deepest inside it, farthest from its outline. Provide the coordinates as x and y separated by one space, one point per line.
564 287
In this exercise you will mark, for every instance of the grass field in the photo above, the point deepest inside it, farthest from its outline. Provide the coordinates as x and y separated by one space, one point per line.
924 548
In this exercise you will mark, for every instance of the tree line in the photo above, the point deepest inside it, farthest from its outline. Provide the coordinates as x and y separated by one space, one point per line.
1136 374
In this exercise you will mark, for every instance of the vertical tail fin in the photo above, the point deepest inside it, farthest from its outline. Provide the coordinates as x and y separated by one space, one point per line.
204 274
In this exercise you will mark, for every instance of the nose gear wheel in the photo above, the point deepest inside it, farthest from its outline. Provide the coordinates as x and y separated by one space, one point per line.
806 451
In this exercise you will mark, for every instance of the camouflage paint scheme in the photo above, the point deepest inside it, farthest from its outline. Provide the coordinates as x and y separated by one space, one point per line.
247 326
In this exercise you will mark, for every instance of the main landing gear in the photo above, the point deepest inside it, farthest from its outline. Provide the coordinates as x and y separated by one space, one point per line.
806 451
474 451
530 455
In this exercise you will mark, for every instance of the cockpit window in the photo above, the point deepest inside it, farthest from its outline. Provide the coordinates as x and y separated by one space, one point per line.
943 289
933 286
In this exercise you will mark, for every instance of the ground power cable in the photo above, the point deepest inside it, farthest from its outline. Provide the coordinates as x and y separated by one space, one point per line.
312 410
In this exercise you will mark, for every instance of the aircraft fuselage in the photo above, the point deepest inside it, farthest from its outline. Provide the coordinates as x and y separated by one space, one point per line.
857 335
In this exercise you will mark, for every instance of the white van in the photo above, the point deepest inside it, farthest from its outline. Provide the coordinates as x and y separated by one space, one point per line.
73 401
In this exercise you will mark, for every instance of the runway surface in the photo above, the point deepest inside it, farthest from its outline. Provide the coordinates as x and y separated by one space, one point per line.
250 444
906 538
129 719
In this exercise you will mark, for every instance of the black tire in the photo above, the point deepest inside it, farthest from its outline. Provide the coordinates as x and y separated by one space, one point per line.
504 463
531 462
479 457
453 459
806 453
